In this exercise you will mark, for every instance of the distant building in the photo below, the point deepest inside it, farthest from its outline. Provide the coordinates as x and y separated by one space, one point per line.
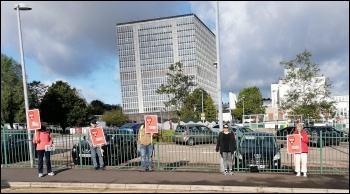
147 48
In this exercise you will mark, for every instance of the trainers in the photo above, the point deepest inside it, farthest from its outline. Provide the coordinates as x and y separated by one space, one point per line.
143 170
298 174
41 175
151 169
51 174
95 168
225 172
102 168
230 172
305 174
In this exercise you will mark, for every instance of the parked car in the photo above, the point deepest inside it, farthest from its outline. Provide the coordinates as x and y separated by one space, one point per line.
258 151
133 128
194 133
328 133
282 133
237 130
15 147
120 147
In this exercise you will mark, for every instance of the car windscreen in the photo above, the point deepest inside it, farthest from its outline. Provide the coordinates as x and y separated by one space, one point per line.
252 141
180 128
246 129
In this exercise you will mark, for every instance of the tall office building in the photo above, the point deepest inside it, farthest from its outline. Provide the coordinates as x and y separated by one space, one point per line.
146 50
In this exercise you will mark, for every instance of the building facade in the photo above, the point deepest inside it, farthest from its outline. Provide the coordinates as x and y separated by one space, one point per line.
147 48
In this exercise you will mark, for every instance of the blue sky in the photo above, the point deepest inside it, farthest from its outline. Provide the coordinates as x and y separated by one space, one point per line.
75 41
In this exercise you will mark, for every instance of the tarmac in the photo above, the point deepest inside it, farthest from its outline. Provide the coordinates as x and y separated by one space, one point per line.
116 180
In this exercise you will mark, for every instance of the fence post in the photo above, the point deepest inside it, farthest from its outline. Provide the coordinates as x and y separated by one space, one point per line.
5 144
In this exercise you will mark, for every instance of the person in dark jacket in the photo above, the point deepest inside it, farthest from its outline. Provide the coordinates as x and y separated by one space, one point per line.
226 144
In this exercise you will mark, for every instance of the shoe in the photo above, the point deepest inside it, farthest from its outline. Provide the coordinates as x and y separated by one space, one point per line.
151 169
304 174
51 174
225 172
103 168
41 175
143 170
95 168
298 174
230 172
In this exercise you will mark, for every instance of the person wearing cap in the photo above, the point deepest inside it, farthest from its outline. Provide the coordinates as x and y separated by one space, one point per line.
42 138
95 149
226 144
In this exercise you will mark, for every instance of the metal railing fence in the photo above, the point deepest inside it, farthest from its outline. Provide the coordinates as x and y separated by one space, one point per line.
326 154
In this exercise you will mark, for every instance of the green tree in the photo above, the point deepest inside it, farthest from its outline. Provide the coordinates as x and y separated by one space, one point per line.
210 110
36 92
12 98
115 117
308 93
97 107
252 99
177 88
63 105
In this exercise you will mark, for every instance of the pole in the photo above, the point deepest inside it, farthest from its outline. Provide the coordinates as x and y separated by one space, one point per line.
24 85
219 76
202 106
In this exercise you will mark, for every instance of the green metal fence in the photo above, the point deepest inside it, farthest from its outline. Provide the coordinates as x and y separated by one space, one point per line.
323 157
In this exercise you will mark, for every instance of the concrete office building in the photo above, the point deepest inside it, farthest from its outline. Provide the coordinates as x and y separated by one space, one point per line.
146 50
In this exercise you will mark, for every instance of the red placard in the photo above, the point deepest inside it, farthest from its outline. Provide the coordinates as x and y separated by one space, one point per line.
293 143
97 136
151 124
33 119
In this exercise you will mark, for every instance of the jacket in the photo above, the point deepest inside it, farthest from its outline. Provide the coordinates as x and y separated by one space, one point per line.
304 141
144 138
42 138
232 145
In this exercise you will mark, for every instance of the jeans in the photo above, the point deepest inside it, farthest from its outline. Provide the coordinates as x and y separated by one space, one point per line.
97 150
146 156
227 160
41 154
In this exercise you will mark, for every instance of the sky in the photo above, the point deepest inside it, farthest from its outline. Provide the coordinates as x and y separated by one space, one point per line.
76 41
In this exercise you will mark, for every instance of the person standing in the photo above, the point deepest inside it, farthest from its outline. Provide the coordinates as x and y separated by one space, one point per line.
301 157
42 138
95 149
226 144
146 148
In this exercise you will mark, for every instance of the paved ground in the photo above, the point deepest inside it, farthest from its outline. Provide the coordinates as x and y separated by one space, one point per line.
112 180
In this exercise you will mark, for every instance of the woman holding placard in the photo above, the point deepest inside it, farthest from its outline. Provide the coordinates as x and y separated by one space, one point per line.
301 157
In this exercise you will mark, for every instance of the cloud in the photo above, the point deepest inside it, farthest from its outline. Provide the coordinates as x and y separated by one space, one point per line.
76 40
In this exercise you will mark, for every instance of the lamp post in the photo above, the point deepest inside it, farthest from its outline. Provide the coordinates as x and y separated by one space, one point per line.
243 110
23 7
217 64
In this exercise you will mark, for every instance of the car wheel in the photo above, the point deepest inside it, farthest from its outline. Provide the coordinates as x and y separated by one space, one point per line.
190 141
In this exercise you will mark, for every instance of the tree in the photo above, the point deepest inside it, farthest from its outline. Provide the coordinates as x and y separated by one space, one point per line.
177 88
36 92
97 107
12 98
252 99
210 110
115 117
308 93
63 105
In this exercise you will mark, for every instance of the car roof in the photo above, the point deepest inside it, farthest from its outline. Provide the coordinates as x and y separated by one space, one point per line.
192 124
259 133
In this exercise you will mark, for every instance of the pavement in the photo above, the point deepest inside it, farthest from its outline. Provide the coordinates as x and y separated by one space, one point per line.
172 181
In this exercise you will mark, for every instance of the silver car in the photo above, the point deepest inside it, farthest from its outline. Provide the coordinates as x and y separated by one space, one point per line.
194 134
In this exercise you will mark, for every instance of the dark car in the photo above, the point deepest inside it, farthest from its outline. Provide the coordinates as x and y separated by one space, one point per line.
258 151
323 135
15 146
194 133
237 130
120 146
133 128
282 133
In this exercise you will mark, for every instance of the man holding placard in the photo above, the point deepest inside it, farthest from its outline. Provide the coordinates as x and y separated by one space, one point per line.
145 140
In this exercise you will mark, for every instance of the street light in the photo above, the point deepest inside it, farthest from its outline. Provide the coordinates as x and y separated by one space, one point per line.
23 7
217 64
243 110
